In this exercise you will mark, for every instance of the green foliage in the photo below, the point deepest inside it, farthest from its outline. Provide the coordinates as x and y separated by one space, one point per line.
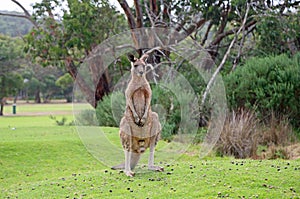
279 34
86 118
65 82
177 105
172 109
110 109
10 54
61 122
267 84
166 99
84 25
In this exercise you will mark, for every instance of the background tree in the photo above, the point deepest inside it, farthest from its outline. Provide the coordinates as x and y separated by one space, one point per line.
10 81
41 82
65 83
67 37
279 32
65 41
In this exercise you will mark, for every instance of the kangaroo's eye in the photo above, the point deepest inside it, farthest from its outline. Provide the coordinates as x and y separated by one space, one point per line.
135 66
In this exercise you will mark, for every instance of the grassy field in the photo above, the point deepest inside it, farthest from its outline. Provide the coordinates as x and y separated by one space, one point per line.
39 159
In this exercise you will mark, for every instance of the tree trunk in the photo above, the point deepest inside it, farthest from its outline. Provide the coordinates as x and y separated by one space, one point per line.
1 107
47 99
102 88
92 95
37 97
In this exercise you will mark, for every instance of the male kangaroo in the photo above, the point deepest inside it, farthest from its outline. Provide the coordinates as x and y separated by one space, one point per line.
140 127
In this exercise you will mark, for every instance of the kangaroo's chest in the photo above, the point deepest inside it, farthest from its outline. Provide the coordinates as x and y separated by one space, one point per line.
139 99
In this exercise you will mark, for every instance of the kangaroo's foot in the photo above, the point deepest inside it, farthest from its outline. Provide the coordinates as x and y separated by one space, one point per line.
129 173
155 168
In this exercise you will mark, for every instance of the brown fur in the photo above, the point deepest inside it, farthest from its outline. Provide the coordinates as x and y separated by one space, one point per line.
140 127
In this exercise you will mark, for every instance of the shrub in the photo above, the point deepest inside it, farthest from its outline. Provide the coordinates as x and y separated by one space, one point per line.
86 118
274 152
243 134
62 121
277 131
239 137
267 84
178 106
111 109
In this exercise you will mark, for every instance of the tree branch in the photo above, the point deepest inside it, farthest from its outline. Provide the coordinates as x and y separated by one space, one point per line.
128 13
220 37
212 79
153 6
206 33
195 26
25 16
22 7
139 15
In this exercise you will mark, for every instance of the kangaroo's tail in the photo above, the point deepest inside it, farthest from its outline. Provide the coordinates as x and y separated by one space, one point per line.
119 167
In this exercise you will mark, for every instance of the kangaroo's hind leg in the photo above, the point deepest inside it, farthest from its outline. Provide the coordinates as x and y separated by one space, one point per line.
126 140
155 136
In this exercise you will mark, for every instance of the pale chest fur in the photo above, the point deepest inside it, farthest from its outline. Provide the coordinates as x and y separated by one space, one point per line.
139 95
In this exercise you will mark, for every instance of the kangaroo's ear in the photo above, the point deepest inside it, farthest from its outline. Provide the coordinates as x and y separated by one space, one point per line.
131 57
144 57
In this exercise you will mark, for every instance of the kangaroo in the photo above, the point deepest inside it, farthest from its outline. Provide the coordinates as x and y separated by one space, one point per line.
139 127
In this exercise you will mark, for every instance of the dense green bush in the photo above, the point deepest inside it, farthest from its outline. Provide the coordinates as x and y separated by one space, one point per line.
267 84
179 106
111 109
86 118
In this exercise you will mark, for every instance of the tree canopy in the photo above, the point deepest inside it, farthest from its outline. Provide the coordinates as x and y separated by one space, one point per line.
66 32
10 80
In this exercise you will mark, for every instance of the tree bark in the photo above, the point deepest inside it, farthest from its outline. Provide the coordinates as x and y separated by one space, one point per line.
1 107
212 79
101 87
128 13
139 14
37 96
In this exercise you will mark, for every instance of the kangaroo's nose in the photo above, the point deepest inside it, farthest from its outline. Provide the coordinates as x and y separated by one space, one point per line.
141 72
142 149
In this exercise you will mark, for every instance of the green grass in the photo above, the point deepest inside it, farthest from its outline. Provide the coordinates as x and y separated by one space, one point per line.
41 160
48 108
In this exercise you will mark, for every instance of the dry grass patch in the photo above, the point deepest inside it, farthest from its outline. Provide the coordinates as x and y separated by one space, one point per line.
239 136
243 132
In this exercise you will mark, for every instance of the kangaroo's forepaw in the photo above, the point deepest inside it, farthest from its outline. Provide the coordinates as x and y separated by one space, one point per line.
142 121
156 168
129 173
137 120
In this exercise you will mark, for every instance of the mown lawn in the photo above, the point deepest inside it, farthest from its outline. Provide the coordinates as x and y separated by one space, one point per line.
41 160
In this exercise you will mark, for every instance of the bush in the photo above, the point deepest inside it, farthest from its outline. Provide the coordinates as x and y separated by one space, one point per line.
267 84
178 106
239 137
111 109
86 118
277 131
62 121
244 135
